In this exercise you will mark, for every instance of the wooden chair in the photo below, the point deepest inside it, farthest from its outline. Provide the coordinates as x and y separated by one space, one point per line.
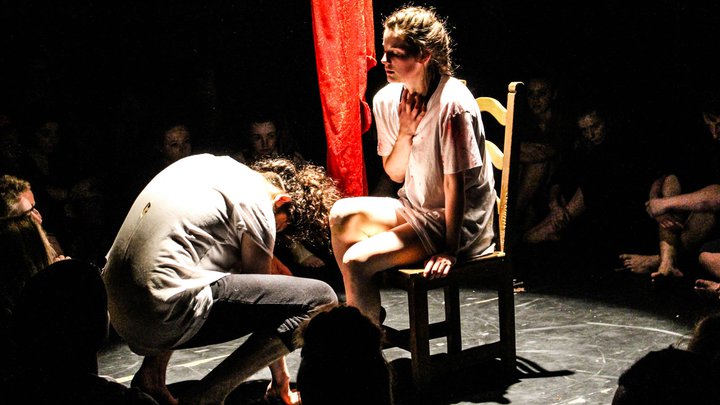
494 267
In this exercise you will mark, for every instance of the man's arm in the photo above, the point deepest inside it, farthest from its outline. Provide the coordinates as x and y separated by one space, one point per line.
255 259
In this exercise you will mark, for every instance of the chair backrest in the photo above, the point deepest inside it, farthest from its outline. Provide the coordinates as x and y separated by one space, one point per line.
505 116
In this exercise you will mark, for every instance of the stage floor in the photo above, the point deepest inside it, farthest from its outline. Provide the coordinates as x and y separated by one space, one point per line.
577 332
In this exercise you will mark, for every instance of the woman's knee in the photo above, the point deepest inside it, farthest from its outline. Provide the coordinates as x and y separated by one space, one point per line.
357 262
341 210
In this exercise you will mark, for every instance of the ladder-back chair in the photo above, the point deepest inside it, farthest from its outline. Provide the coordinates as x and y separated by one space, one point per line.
493 268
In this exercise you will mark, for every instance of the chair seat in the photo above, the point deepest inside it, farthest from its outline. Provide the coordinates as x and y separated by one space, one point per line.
476 269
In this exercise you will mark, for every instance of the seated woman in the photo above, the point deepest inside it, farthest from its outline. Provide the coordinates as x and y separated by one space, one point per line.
431 138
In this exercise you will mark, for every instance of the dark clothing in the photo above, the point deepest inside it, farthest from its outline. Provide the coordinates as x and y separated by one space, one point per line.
693 157
669 376
615 216
59 324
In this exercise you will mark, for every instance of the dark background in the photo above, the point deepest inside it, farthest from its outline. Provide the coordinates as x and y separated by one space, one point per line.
113 71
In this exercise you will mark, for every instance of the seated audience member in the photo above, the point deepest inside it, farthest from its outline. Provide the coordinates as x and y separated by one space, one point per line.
25 247
17 196
544 136
685 204
590 191
264 134
676 376
70 187
566 199
191 266
175 144
342 360
53 316
13 159
60 324
171 143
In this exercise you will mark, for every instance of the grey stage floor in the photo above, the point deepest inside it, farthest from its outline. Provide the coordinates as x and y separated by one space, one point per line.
576 333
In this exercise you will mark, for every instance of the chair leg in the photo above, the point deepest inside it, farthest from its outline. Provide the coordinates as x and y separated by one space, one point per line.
506 311
452 317
419 336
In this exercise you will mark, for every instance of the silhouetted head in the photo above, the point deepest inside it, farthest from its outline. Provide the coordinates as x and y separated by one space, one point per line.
342 360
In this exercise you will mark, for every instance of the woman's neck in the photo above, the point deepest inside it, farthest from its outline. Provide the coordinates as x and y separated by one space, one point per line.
426 85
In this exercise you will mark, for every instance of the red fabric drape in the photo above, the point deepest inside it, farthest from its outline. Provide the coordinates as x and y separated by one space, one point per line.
344 52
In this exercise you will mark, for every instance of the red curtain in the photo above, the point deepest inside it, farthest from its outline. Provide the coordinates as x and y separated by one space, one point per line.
344 52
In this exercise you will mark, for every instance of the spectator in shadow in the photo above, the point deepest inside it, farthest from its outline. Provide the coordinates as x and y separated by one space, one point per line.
70 185
264 134
175 144
570 183
13 159
590 191
675 376
172 142
342 360
684 202
545 136
53 315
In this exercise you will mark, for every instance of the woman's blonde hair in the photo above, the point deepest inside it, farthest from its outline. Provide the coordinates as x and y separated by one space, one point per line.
424 33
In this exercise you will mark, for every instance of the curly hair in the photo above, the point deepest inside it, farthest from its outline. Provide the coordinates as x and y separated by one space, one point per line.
313 193
424 33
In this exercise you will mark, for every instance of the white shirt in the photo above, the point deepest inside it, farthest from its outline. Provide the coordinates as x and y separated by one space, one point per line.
449 139
182 233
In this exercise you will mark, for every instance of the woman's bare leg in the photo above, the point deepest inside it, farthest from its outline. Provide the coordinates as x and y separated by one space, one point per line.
367 237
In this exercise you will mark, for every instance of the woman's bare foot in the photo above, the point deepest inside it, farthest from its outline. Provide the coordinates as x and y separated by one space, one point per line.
707 289
151 386
640 264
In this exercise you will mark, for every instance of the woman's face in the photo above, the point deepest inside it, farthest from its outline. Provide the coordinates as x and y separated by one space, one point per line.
26 203
592 128
400 66
176 144
539 96
263 137
47 137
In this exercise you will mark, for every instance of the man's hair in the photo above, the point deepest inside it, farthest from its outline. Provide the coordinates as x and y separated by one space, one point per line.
313 194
